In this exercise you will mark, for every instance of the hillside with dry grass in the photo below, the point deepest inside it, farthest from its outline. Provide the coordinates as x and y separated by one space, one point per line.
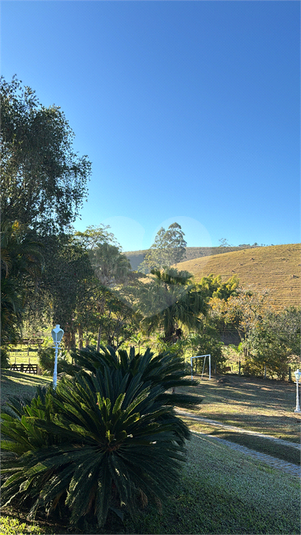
275 268
136 257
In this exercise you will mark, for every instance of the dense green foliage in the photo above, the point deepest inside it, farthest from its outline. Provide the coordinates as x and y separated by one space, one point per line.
44 180
106 440
21 269
43 184
46 358
109 265
169 301
215 288
273 343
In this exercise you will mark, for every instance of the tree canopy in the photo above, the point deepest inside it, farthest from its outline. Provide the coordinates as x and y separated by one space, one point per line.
21 268
110 266
167 249
171 300
42 179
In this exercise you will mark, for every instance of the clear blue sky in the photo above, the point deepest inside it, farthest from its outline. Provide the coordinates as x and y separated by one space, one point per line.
189 111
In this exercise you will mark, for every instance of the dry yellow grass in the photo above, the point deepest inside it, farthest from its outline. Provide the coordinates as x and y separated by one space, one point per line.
275 268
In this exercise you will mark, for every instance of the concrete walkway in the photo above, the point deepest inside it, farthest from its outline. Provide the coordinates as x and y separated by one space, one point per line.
279 464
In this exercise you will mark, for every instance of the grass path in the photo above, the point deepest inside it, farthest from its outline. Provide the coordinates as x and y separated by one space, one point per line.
214 423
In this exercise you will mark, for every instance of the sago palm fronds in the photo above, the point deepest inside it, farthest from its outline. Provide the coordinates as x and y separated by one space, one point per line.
163 369
100 440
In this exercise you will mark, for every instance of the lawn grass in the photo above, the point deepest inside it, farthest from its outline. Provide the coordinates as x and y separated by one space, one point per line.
221 491
23 358
261 405
20 384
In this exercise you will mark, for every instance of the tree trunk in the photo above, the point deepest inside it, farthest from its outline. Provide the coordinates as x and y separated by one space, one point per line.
98 338
67 340
80 337
73 340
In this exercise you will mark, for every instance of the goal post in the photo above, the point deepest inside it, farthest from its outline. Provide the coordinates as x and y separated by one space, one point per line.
201 357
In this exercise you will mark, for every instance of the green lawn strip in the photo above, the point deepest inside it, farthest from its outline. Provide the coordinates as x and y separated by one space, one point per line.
224 491
262 445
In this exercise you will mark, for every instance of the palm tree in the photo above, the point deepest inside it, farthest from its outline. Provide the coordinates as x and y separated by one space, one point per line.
170 301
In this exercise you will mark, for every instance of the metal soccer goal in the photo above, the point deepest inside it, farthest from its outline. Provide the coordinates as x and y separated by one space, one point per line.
201 357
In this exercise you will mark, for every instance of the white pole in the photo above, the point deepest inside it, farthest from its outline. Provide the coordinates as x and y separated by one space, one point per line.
209 366
297 409
57 335
55 366
191 367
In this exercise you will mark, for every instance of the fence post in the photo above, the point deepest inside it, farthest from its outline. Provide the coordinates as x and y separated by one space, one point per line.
239 367
290 374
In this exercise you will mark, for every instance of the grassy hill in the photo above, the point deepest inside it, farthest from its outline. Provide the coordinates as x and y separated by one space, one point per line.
136 257
276 268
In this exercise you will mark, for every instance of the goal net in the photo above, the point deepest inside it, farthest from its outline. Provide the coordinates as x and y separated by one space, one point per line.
201 357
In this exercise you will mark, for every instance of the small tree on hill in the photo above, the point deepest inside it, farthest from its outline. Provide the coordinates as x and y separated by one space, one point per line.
168 249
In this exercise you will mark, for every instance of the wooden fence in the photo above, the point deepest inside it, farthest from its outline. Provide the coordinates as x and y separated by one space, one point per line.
25 368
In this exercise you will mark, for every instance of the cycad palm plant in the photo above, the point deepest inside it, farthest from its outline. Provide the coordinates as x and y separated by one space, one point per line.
100 441
165 369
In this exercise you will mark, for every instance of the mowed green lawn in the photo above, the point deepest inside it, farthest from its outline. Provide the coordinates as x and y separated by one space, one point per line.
224 491
221 491
260 405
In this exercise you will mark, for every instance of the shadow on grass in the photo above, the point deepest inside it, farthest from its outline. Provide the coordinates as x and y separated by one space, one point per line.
20 384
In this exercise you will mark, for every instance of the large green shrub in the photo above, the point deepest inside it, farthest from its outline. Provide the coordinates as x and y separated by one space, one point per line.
104 440
273 343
